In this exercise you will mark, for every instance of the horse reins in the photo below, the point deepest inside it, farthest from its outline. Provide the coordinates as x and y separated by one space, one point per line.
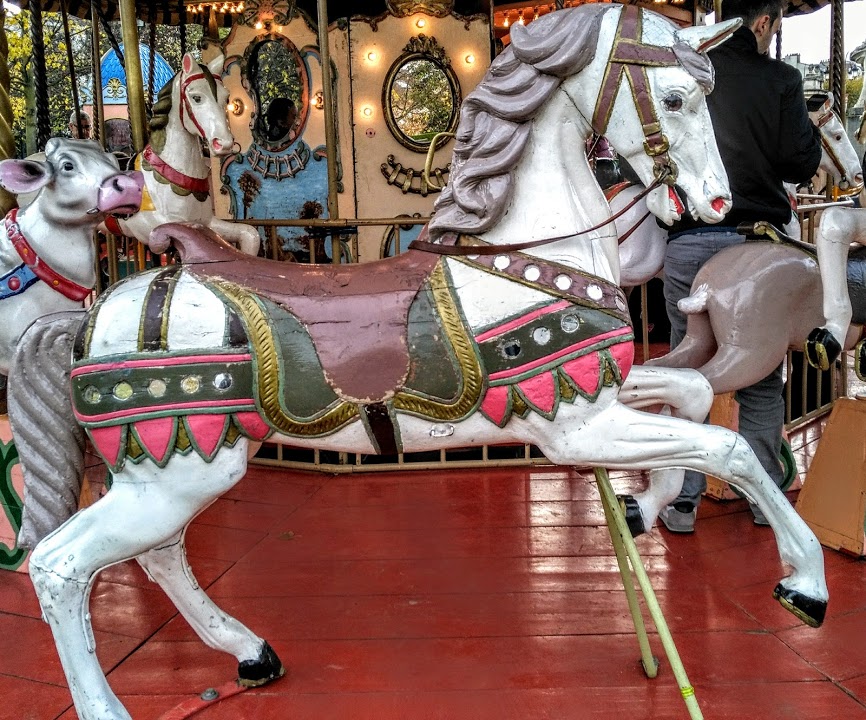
440 249
184 102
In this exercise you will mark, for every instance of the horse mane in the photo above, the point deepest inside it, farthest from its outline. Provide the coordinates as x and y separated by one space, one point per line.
494 119
162 109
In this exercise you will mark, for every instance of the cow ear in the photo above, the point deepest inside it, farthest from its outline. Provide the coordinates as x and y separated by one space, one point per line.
24 176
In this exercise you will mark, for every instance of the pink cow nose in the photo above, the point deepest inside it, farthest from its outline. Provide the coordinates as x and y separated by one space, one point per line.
121 194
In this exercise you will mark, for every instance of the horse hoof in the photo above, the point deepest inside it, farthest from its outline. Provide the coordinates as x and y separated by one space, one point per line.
633 516
821 348
807 609
267 667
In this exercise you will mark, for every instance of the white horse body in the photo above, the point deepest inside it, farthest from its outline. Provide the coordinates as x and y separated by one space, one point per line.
193 338
78 185
194 110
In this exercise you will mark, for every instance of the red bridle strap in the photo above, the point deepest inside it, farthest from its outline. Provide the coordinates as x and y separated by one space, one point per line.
184 102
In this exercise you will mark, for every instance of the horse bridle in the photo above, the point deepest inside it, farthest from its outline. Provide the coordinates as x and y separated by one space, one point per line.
629 57
185 103
846 187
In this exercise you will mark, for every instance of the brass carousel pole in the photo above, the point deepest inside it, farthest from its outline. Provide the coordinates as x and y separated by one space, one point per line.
330 125
7 139
98 109
717 10
134 80
837 56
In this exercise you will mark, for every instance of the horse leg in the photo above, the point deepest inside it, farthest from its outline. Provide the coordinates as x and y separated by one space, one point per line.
168 566
144 509
688 395
696 348
624 439
245 237
824 344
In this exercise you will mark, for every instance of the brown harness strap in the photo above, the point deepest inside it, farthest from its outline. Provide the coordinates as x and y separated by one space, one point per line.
630 57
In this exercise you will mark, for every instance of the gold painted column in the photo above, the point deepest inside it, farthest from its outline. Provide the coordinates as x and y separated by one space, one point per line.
134 81
330 125
7 139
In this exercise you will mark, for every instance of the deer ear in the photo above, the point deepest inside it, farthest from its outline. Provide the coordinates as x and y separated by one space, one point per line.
216 65
188 63
705 37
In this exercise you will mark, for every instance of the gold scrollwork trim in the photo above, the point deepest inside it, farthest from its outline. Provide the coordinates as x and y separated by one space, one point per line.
268 375
405 177
467 359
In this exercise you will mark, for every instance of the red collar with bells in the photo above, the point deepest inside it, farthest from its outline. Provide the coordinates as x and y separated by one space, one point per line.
40 268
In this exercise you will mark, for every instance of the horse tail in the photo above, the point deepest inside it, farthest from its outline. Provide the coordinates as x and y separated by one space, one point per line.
696 302
50 443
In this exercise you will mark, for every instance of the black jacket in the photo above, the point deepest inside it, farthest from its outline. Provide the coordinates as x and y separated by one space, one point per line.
763 131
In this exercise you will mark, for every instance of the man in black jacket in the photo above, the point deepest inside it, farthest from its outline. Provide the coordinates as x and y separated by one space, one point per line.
765 138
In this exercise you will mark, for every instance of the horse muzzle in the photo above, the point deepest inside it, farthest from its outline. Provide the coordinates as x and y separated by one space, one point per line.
121 194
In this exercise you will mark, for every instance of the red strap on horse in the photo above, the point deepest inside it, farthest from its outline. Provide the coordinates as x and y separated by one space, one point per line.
190 707
40 268
176 177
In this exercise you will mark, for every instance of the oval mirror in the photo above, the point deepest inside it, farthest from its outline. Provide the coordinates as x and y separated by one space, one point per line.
276 77
421 98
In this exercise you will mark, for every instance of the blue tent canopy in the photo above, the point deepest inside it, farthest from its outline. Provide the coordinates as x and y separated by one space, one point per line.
114 77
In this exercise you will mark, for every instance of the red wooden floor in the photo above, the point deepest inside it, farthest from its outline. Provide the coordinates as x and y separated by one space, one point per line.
479 595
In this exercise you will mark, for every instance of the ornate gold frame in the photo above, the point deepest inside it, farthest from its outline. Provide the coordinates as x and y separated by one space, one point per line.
421 47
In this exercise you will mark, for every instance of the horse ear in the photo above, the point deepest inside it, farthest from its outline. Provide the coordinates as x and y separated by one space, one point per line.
188 63
24 176
705 37
216 65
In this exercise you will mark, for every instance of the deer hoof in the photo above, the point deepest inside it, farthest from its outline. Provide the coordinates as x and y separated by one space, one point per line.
266 667
821 348
807 609
633 515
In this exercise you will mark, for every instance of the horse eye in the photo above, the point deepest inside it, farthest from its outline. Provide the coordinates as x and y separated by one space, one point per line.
673 102
838 138
196 99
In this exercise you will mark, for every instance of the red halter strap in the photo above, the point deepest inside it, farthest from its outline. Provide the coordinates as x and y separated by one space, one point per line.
630 57
184 102
40 268
176 177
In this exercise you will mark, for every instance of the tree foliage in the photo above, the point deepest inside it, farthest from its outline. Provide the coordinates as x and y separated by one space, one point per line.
60 101
421 99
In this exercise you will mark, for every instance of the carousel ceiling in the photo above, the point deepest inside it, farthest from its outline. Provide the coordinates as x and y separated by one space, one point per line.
170 12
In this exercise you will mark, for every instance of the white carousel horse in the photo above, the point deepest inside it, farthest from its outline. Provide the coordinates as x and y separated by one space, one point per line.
190 109
642 252
178 370
46 251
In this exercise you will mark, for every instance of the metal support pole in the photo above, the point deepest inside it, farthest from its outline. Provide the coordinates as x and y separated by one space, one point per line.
837 57
134 81
40 76
330 124
7 139
655 611
73 79
98 108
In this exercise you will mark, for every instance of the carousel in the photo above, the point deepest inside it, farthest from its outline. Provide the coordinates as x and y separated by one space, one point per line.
361 430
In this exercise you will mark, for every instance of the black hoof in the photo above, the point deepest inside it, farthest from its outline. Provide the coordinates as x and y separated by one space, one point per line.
633 517
267 667
821 348
807 609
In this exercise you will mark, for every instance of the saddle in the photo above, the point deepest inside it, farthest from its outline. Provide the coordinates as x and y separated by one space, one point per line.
356 315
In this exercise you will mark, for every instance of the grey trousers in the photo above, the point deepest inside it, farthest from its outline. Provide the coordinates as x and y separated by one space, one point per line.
762 405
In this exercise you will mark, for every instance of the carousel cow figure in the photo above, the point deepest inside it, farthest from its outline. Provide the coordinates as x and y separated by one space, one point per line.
47 253
190 110
505 325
